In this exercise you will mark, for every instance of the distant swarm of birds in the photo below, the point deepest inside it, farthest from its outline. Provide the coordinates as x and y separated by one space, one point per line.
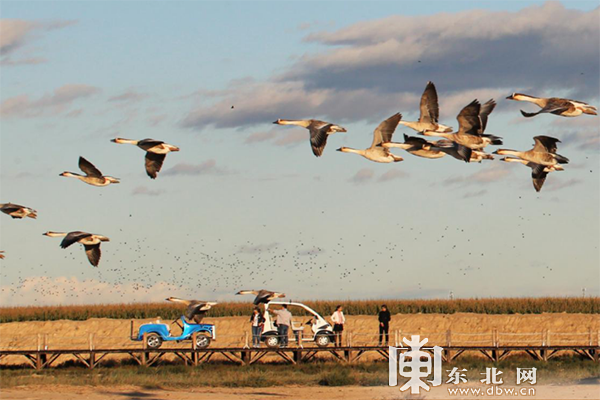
466 144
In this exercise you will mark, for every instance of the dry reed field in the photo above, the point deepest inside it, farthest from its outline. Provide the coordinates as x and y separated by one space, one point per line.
523 305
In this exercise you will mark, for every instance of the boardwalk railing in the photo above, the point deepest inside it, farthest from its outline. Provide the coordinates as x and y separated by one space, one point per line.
43 350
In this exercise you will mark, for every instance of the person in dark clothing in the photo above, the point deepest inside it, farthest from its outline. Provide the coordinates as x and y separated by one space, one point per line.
384 325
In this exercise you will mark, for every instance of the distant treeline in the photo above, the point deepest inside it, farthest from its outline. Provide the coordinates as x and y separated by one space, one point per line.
588 305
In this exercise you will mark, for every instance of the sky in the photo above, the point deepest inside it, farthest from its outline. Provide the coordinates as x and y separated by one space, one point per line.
245 204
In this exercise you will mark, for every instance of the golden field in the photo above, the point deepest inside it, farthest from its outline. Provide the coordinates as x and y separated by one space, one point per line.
518 305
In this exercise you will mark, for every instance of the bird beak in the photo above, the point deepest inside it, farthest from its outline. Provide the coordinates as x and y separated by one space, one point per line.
61 174
276 122
340 149
113 140
510 97
495 152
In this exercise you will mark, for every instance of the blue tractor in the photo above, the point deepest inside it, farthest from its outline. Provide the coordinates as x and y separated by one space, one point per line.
158 332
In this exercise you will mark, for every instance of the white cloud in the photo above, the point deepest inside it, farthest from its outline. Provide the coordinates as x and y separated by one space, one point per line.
56 102
15 34
371 69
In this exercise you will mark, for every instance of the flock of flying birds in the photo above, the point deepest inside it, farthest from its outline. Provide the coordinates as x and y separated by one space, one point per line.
467 144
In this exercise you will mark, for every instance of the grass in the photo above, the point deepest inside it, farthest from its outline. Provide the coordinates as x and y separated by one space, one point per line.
588 305
173 375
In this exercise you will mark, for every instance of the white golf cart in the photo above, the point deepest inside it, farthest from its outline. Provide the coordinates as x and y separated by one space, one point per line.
320 333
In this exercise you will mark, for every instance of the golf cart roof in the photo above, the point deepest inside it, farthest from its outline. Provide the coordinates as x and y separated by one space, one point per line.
291 303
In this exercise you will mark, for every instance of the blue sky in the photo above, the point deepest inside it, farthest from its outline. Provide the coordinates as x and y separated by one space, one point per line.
245 204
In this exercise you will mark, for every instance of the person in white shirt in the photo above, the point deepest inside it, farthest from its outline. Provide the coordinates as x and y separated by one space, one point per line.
338 320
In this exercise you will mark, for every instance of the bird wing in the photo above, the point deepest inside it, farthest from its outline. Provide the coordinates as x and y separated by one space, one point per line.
89 168
93 253
385 130
484 112
73 237
468 118
430 111
154 163
538 175
415 141
10 208
545 143
318 138
149 143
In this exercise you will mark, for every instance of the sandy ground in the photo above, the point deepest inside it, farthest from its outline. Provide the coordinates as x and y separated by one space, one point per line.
295 393
234 331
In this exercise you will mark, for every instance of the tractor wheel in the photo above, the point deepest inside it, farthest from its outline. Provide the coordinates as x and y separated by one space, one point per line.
153 340
272 341
322 340
202 341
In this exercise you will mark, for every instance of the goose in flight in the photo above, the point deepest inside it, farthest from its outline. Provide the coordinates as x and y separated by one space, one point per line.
555 105
196 309
538 171
262 296
92 176
543 152
17 211
91 243
472 121
430 112
454 150
156 151
417 146
382 134
319 131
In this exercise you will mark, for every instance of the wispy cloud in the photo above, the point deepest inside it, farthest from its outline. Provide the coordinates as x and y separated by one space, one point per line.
258 248
208 167
391 175
16 34
363 176
478 193
145 191
129 96
491 174
556 183
56 102
359 73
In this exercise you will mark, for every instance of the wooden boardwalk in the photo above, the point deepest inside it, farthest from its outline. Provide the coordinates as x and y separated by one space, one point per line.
43 358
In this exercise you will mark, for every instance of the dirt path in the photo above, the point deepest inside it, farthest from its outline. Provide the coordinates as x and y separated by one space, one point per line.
275 393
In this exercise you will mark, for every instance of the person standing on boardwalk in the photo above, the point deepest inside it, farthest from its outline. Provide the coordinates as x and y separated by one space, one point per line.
384 325
284 321
338 320
257 320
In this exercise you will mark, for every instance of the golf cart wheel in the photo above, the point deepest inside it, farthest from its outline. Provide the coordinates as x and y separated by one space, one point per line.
153 340
322 340
272 341
202 341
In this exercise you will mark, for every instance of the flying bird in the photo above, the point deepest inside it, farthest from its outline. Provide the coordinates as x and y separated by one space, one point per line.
382 134
555 105
430 113
538 171
472 121
17 211
262 296
543 152
91 243
92 176
319 131
196 309
156 151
